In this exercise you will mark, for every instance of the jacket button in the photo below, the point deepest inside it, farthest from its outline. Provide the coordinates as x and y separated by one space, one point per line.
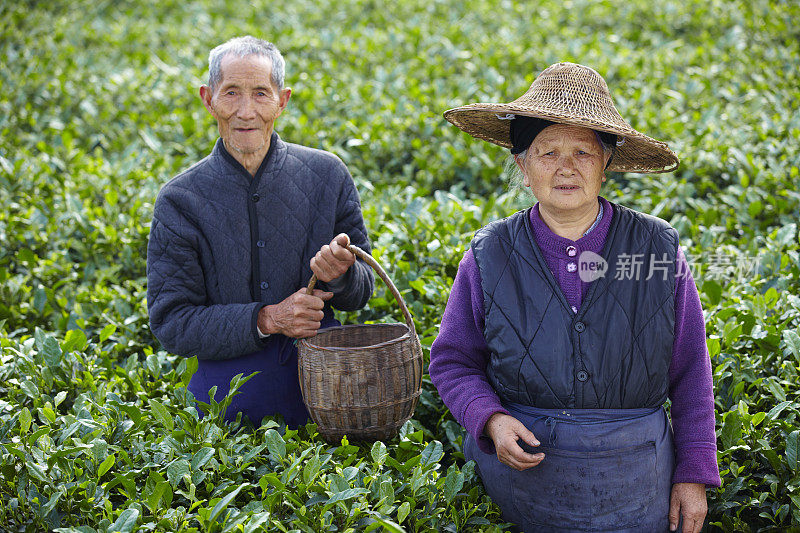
583 375
572 267
264 285
260 244
572 251
256 197
580 326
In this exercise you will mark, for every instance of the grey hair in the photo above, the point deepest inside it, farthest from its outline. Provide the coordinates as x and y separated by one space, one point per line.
608 149
243 47
513 172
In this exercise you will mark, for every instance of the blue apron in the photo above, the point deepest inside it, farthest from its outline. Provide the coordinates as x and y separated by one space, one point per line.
274 390
604 470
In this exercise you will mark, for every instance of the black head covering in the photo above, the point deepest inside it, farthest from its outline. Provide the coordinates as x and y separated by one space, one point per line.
525 129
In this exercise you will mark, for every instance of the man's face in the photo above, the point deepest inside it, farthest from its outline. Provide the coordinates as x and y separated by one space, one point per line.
245 103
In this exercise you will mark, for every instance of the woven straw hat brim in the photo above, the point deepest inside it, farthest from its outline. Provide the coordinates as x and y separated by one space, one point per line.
639 153
572 94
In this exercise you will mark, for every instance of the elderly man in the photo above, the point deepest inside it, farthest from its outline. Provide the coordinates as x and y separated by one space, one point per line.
235 238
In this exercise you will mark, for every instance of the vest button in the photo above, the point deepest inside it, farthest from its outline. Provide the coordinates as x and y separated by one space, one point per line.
264 285
583 375
580 326
260 244
256 197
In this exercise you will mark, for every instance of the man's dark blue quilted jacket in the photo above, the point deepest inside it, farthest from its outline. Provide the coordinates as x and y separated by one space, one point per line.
223 244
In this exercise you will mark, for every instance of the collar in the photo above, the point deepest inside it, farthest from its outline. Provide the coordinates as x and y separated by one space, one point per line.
276 149
596 220
593 239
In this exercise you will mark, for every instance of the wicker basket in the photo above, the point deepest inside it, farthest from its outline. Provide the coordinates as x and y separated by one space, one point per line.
362 380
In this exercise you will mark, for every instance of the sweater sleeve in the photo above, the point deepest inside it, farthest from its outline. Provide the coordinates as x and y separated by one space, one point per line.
176 297
459 356
353 289
691 387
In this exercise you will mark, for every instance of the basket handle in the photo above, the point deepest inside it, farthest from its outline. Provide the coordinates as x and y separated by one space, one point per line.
368 259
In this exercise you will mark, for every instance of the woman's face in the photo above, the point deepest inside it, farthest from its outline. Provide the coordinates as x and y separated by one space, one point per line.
564 169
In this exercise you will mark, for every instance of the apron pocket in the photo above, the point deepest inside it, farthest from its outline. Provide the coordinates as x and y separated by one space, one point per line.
605 490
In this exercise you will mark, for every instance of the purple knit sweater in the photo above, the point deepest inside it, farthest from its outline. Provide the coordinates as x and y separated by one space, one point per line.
460 354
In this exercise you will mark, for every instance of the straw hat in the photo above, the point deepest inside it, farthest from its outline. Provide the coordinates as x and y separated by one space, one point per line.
568 94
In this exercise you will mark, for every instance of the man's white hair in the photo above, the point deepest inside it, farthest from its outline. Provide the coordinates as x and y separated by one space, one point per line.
243 47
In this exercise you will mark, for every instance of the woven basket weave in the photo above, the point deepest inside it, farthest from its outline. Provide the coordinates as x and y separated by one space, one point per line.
362 380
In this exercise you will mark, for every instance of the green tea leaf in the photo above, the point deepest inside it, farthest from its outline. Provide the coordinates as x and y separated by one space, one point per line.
776 391
385 523
106 465
275 443
177 469
49 414
310 470
224 502
432 453
107 331
133 412
36 471
379 452
776 411
271 479
30 389
157 491
795 500
153 365
386 491
402 512
125 522
60 397
345 495
161 414
51 352
47 508
713 290
191 368
731 429
793 451
25 420
785 235
258 519
75 339
453 483
201 458
792 340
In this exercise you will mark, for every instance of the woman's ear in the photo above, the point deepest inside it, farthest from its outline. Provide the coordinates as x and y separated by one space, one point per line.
520 161
607 155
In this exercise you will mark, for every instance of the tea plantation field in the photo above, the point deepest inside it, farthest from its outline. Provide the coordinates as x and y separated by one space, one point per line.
99 108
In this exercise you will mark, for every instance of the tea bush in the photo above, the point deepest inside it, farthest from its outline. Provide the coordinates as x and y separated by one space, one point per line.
99 108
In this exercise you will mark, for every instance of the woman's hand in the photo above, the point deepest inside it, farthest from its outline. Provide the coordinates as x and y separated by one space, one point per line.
505 430
688 500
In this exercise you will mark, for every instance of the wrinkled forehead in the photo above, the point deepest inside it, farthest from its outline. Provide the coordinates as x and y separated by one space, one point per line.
563 133
250 66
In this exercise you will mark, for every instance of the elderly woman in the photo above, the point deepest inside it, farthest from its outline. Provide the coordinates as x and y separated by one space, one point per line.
572 322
